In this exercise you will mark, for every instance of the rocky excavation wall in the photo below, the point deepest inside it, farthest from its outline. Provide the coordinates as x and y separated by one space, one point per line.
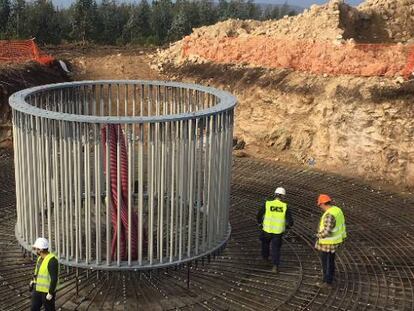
335 121
359 127
337 124
340 125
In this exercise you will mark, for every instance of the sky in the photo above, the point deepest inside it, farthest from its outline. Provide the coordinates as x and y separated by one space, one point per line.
302 3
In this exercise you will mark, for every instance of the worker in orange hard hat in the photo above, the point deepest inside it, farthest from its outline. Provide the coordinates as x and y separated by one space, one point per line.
331 234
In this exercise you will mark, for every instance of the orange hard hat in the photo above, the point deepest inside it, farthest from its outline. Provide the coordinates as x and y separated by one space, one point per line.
323 199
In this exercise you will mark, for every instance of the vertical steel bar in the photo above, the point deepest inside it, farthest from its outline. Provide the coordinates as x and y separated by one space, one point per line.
133 158
23 132
75 186
130 170
157 172
17 169
108 199
66 188
167 191
180 171
229 162
86 177
173 174
140 191
33 176
97 152
200 127
161 192
191 187
55 187
206 180
40 180
79 184
118 190
71 144
61 189
151 173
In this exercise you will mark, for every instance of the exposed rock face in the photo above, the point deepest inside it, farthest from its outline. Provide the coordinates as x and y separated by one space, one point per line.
387 21
361 127
351 134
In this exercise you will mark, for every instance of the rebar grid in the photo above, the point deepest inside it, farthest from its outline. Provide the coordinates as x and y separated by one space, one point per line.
123 174
375 268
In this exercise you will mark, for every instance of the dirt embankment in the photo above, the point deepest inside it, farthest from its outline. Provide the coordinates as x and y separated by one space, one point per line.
14 78
334 38
359 127
330 118
101 63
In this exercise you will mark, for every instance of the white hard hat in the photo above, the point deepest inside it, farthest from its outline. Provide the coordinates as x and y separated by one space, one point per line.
41 243
280 190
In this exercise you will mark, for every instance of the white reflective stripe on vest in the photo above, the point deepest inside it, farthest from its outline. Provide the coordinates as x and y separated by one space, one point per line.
336 229
276 220
41 276
269 227
42 284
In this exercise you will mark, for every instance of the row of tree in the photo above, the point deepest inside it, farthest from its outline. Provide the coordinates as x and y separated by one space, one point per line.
110 22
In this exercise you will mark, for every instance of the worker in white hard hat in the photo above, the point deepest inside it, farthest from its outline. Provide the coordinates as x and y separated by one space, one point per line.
45 279
274 218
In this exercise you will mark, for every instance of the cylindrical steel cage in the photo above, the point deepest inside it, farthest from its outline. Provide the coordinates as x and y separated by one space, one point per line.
123 174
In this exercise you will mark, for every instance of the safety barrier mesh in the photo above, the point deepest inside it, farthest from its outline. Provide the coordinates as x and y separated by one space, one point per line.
20 51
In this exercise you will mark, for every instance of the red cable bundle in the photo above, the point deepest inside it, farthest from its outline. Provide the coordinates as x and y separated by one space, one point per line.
116 136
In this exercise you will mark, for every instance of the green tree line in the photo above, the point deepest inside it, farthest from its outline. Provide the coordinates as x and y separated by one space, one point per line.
112 22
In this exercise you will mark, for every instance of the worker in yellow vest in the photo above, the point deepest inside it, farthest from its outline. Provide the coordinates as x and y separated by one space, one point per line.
45 280
274 218
331 234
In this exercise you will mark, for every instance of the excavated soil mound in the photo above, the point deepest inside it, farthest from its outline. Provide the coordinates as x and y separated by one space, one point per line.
386 21
303 55
334 38
14 78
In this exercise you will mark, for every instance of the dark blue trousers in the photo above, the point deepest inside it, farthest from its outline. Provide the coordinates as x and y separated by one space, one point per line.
275 240
328 266
39 299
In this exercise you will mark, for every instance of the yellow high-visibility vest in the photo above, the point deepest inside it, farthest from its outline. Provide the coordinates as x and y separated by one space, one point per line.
274 220
338 234
43 276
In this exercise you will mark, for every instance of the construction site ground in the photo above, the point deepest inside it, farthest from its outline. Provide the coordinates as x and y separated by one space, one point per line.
375 267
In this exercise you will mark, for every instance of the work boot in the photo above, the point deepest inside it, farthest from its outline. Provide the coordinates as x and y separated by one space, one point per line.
275 269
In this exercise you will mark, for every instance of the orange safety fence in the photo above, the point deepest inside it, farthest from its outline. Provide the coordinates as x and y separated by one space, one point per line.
321 57
20 51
